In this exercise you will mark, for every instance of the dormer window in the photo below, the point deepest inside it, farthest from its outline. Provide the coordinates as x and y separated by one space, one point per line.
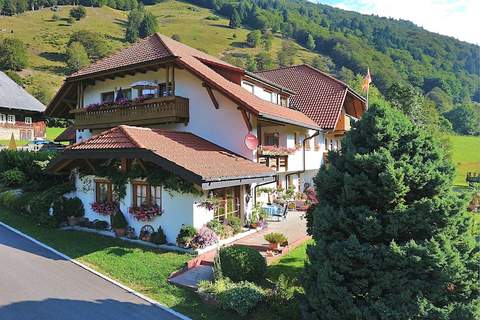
248 86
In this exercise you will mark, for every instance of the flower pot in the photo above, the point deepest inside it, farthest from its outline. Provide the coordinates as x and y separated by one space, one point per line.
254 225
120 232
274 246
73 221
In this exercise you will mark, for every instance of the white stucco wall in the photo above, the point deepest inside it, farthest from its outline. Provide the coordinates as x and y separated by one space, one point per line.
224 126
177 208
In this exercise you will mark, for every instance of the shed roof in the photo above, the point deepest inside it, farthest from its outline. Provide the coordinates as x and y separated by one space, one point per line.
14 96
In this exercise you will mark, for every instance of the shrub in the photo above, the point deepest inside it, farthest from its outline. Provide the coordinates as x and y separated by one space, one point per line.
242 263
12 178
176 37
119 221
282 300
73 207
185 236
204 238
235 223
241 297
8 199
100 225
276 237
158 237
217 226
78 12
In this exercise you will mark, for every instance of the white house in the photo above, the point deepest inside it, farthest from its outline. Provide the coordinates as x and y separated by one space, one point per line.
162 106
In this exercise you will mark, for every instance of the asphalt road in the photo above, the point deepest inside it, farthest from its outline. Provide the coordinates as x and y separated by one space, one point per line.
36 284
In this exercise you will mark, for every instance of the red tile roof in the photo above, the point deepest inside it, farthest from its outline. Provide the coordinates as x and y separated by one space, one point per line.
318 95
186 150
157 47
145 50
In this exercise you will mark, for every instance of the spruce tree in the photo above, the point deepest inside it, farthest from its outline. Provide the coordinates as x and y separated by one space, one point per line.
235 20
392 239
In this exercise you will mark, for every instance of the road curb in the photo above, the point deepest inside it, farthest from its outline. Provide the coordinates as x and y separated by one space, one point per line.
124 287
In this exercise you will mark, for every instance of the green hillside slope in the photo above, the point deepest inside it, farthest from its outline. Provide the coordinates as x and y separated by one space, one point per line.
465 156
46 38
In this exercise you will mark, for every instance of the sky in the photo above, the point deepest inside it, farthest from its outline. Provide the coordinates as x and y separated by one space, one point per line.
456 18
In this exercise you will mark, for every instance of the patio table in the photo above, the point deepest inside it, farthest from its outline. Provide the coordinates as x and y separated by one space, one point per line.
273 211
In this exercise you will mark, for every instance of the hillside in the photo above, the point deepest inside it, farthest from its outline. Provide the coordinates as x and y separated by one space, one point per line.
46 38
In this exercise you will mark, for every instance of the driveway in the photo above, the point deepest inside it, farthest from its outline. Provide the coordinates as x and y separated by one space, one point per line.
36 284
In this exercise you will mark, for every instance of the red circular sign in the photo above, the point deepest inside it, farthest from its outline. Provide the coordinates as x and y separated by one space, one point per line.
251 141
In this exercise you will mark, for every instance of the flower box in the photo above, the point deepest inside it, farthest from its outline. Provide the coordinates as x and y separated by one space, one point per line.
144 213
105 209
275 151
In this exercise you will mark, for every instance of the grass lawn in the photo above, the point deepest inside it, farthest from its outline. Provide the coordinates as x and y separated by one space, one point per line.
52 133
145 270
465 156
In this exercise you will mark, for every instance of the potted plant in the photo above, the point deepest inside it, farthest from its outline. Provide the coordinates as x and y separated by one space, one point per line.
73 208
275 240
185 236
119 224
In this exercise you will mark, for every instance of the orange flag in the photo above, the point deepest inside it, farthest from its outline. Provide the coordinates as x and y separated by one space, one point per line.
366 81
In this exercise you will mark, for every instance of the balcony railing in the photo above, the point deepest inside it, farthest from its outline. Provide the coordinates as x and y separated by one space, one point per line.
149 112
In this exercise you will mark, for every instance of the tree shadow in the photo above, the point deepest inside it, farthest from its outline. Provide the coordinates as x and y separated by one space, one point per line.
114 38
53 56
220 26
105 309
239 44
62 70
120 22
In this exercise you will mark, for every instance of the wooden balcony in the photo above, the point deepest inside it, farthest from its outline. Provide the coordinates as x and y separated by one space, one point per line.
146 113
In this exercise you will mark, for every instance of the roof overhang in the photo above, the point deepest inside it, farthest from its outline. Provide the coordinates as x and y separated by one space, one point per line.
66 97
65 162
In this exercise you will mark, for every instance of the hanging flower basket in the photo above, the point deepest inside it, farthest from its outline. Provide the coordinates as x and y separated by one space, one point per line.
105 209
208 204
145 213
275 151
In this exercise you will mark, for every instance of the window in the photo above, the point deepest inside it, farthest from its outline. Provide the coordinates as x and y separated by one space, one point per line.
3 118
283 101
127 94
272 139
103 190
298 143
146 195
248 86
11 118
108 96
306 142
28 120
316 143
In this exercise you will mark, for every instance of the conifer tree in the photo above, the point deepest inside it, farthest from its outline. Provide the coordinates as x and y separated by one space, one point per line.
392 239
235 20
